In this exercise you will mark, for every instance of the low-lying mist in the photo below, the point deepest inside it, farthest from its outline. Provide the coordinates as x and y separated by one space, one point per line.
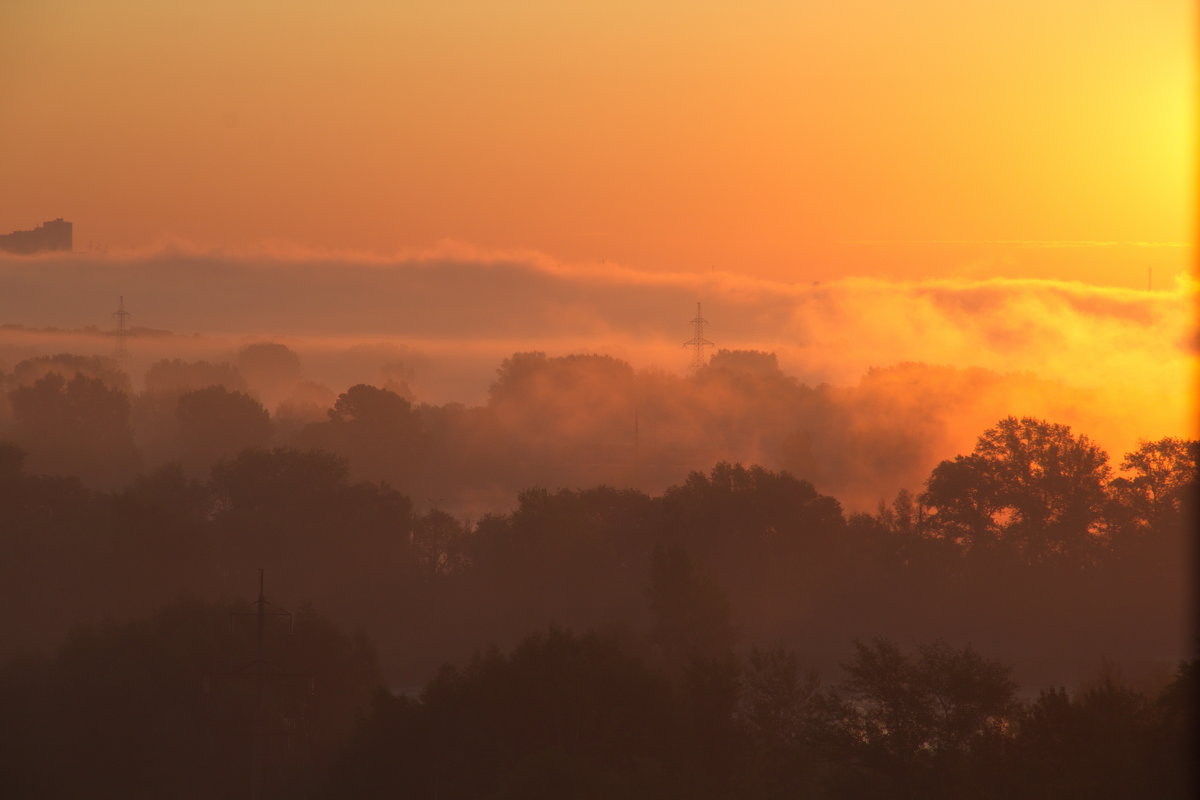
867 385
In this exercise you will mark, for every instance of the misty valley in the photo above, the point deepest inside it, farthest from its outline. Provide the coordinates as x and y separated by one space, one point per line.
600 582
355 440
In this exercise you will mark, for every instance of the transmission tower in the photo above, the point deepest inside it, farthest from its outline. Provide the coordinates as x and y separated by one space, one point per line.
698 342
122 331
259 671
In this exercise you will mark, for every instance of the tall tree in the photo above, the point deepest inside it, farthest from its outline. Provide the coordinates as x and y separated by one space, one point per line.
216 423
913 715
1028 483
376 431
77 427
1158 477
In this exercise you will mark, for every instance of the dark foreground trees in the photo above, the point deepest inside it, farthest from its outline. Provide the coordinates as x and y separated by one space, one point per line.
560 716
568 716
166 707
745 556
792 567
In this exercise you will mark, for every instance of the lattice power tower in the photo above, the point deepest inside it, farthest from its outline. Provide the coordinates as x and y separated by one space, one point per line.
122 331
698 342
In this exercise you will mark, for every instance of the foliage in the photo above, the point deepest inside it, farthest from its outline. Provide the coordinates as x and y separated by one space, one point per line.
1029 485
216 423
164 707
78 426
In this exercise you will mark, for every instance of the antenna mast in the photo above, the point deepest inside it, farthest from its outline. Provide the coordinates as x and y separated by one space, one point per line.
698 342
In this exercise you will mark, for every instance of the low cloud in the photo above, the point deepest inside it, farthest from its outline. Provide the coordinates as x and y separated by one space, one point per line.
1127 357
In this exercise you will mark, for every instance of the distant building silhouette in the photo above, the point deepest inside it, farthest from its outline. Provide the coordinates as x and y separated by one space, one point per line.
52 235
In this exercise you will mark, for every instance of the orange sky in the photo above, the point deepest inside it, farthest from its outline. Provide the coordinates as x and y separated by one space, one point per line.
787 140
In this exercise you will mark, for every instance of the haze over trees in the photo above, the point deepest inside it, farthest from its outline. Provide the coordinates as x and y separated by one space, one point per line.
738 634
1038 509
587 420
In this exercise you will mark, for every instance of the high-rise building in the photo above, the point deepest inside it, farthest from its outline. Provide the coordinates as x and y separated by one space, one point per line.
52 235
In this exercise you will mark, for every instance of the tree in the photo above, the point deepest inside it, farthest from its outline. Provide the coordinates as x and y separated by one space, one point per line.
271 369
691 614
1158 477
902 516
216 423
538 399
348 543
307 403
755 362
157 708
560 716
370 406
281 478
1098 742
176 375
375 430
937 708
1028 484
76 427
733 509
786 720
68 365
437 540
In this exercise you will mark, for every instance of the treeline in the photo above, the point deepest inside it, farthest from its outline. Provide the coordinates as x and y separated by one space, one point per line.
580 420
1028 546
166 707
736 617
568 716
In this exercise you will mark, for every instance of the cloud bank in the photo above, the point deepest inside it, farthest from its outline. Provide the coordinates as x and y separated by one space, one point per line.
456 312
455 294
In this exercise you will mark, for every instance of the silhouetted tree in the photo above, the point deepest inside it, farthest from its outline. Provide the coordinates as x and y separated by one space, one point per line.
308 402
565 409
438 542
68 365
691 614
157 708
736 511
216 423
1172 763
271 370
562 716
398 377
914 716
1093 744
177 376
348 543
77 427
375 430
1029 484
788 722
1160 477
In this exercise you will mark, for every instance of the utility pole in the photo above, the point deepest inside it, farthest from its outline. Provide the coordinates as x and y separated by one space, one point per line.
122 331
697 343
